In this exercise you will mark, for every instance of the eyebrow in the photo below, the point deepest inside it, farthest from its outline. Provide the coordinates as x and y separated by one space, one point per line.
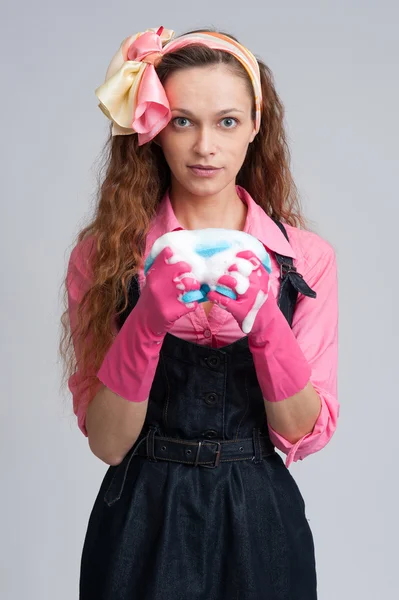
220 113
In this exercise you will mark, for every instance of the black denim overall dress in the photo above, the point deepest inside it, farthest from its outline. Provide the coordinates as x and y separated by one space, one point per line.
202 507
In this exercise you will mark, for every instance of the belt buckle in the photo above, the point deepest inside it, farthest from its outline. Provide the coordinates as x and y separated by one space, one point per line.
217 457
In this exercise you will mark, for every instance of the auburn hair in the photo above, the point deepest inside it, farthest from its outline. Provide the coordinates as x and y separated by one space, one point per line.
132 181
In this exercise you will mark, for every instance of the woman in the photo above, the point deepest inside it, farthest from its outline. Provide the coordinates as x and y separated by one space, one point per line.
185 408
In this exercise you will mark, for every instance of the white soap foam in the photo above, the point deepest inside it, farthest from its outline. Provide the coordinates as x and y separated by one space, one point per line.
208 269
249 320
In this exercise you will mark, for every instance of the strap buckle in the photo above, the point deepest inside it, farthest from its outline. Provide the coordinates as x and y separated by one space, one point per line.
217 456
286 269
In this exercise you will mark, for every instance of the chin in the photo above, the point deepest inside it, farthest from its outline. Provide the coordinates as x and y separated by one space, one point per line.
204 187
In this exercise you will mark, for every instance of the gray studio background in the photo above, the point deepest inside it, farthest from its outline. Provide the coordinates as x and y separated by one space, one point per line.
335 65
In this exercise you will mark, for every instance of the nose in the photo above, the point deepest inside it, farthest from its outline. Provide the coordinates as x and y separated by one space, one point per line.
205 142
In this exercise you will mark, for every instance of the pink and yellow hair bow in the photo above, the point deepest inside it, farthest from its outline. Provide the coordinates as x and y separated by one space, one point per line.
133 97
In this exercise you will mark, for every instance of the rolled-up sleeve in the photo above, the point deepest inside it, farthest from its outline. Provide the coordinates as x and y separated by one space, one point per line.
315 326
78 282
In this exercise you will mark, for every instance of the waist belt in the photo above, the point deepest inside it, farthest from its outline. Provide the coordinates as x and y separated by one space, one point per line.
204 453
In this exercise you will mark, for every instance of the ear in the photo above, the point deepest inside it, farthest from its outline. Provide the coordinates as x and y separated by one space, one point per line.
253 136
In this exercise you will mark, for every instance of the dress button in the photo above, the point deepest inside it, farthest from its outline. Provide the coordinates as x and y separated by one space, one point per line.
213 361
211 398
207 333
210 433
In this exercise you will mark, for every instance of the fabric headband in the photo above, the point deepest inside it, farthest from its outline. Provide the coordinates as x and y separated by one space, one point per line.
132 96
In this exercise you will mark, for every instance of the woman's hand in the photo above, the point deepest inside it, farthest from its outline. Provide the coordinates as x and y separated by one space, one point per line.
129 366
251 283
161 297
281 367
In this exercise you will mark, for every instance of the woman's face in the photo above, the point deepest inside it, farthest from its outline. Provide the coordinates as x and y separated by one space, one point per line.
211 125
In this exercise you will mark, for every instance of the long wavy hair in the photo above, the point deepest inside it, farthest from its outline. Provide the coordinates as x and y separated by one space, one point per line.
132 181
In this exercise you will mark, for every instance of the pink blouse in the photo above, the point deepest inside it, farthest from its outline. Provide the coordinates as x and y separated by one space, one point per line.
315 321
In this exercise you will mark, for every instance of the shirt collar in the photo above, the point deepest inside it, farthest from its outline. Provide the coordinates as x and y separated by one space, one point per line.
261 226
257 223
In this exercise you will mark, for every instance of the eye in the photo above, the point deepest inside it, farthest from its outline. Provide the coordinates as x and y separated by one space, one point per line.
179 125
230 120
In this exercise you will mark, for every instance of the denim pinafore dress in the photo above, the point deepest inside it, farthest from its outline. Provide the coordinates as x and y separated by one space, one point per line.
202 507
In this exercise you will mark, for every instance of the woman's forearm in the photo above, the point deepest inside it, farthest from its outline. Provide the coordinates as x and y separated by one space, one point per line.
113 425
295 416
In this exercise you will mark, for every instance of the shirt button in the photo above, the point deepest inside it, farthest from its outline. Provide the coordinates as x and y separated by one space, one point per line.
207 333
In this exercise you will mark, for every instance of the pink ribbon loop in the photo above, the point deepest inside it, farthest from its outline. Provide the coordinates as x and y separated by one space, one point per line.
152 112
144 46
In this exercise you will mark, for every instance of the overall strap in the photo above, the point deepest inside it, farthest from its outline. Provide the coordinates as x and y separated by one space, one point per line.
291 282
133 293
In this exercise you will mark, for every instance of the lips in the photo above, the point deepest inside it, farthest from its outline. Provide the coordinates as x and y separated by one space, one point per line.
204 170
205 167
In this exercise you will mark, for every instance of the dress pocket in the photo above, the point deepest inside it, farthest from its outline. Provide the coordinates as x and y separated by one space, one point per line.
296 489
117 484
286 482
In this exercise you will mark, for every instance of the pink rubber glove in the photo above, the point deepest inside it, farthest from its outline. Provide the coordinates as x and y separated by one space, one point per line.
129 366
281 367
